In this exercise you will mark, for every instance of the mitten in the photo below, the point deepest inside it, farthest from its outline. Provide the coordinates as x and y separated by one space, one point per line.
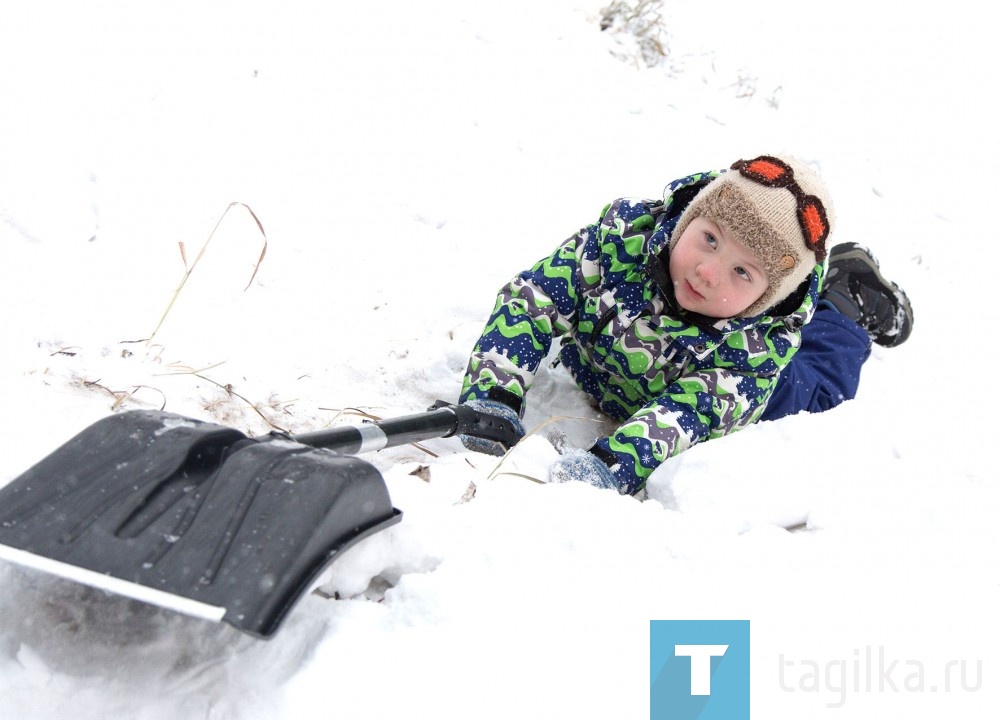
496 409
582 466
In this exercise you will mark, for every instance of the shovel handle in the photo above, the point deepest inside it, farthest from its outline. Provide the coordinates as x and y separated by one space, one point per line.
441 420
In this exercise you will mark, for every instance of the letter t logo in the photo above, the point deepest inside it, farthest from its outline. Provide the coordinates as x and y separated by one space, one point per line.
701 664
699 669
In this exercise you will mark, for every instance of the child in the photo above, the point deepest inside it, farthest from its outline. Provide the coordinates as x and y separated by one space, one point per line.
681 318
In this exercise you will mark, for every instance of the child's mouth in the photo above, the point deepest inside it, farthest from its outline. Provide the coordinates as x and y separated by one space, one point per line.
692 291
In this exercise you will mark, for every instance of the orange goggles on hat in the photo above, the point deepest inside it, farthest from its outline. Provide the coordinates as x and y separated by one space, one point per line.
772 172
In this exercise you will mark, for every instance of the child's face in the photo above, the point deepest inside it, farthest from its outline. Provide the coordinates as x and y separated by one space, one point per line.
714 274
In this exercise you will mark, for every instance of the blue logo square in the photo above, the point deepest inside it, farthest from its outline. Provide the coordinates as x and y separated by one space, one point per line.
699 670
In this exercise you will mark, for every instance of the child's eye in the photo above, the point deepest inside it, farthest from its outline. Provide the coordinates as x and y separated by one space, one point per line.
743 273
710 239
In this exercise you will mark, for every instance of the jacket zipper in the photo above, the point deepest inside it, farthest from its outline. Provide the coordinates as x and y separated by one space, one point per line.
602 323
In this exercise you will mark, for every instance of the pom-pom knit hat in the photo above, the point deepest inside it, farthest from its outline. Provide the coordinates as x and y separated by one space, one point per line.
780 209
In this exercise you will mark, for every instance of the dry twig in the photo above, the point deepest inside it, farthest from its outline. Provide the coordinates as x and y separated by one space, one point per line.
188 269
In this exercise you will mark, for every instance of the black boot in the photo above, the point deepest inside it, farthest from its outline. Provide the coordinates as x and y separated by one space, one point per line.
857 289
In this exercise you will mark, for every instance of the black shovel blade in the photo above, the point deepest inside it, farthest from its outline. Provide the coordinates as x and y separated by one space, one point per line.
192 516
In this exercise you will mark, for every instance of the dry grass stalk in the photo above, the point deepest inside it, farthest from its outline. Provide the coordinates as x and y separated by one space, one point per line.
176 369
188 269
122 396
642 19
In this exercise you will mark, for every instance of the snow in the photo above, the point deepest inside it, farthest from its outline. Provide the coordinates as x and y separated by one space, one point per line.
405 160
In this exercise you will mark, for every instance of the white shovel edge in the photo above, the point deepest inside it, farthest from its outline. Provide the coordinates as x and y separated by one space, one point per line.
112 584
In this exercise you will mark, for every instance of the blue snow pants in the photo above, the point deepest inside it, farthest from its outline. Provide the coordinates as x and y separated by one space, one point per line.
827 368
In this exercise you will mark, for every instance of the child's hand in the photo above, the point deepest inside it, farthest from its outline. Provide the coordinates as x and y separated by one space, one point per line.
582 466
496 409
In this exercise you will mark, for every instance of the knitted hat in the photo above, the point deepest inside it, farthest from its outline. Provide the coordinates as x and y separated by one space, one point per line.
780 209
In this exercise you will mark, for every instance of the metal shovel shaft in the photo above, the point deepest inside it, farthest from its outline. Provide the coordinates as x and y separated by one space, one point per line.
440 421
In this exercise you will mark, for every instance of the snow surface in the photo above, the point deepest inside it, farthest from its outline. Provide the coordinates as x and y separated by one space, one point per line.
405 160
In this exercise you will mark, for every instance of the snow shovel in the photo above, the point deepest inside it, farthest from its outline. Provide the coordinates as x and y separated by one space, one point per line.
202 519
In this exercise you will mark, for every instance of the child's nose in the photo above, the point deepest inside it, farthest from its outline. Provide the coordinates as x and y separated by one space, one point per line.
709 273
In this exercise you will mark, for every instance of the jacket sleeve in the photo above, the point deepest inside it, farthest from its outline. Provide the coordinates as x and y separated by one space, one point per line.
701 405
535 307
543 303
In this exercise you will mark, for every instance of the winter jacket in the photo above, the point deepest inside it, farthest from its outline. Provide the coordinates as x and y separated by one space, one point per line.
671 377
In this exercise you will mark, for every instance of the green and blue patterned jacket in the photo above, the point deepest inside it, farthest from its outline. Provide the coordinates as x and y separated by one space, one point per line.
672 378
